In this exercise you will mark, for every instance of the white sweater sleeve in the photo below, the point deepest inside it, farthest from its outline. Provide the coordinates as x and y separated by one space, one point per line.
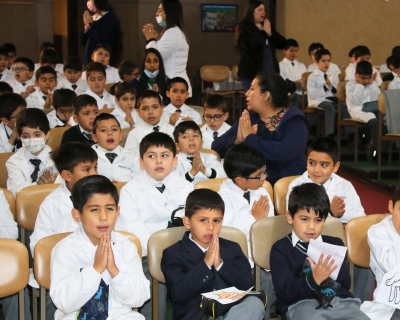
168 43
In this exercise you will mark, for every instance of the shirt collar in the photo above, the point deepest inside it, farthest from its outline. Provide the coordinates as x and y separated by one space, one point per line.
155 183
286 60
296 239
117 150
235 188
41 156
220 130
83 130
151 126
201 248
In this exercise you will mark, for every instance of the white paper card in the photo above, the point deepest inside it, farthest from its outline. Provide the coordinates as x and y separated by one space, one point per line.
388 292
316 248
226 296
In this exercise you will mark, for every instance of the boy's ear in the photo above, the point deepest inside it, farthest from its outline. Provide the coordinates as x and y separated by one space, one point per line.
167 92
76 118
94 137
121 135
66 175
48 134
30 74
76 215
336 167
186 222
289 217
141 164
175 162
225 116
390 206
36 83
177 147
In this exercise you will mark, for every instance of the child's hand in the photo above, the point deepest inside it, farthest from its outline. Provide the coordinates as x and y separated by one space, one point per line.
111 266
373 78
217 256
49 101
260 208
128 118
338 206
357 78
101 256
187 119
155 87
197 163
47 177
28 91
13 136
105 106
328 83
323 269
209 258
174 118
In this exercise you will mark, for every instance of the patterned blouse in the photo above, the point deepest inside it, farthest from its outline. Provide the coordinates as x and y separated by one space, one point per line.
272 123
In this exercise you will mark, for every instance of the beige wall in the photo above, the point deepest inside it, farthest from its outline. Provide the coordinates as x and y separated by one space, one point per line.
341 25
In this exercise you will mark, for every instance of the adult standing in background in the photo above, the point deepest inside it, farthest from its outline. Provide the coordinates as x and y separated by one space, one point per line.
171 43
256 42
102 27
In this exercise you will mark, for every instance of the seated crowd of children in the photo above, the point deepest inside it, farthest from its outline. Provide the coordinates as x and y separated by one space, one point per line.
97 273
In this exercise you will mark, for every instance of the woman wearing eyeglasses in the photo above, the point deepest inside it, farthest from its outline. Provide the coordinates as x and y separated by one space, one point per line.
270 126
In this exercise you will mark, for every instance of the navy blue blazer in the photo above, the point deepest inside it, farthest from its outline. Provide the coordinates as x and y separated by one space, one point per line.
187 275
73 134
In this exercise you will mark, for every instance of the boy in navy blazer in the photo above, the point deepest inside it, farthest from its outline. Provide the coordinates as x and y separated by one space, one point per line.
202 262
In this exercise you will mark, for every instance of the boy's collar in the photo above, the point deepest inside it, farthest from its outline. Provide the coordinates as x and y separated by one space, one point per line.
236 188
145 124
296 239
201 248
116 150
83 130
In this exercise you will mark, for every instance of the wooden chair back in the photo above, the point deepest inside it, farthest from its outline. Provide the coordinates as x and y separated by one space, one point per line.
280 191
55 138
3 169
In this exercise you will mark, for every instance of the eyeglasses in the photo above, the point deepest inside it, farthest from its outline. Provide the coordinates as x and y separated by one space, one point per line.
216 117
16 69
261 177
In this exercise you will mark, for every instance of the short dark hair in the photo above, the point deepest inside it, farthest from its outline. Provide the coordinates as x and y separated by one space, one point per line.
364 68
9 102
27 62
184 126
205 199
93 67
71 154
87 187
274 83
10 47
396 50
309 196
73 63
242 161
396 195
103 46
325 145
5 88
3 52
147 94
320 53
32 118
124 87
46 45
43 70
177 80
351 52
360 51
83 101
216 101
315 46
126 67
104 116
156 139
63 98
291 43
49 56
393 60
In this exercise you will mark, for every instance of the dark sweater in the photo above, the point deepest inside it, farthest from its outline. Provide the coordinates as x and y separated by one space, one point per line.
287 262
74 134
284 149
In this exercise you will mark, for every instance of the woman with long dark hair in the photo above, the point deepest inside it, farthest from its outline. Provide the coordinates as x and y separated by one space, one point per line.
102 27
256 42
171 43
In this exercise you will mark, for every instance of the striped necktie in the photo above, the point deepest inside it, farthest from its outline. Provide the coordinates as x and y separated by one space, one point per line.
162 188
36 163
111 156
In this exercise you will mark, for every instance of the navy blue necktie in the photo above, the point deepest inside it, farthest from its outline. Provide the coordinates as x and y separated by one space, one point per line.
246 195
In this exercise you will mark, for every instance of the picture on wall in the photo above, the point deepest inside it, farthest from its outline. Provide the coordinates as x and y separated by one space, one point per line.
218 17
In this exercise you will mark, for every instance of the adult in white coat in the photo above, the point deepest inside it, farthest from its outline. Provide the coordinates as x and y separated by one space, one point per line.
171 43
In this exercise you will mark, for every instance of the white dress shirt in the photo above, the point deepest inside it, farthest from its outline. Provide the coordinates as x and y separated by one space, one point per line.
208 134
384 68
18 87
8 227
316 87
81 84
120 115
112 75
106 99
296 239
7 75
395 83
186 111
292 70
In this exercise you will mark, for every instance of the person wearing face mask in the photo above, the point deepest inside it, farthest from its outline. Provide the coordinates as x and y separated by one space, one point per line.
31 165
153 75
171 42
101 25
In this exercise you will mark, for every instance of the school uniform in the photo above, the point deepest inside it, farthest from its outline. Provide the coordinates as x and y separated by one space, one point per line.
80 292
214 168
120 115
5 134
54 120
351 74
36 99
144 209
335 186
124 166
292 70
8 227
54 216
333 68
7 75
20 168
384 244
384 68
210 135
79 87
185 111
187 275
395 83
105 99
143 129
112 75
19 87
77 134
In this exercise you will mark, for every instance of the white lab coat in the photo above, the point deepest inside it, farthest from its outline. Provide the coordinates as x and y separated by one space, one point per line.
8 227
292 72
5 132
186 112
174 50
112 75
357 95
18 87
337 187
53 119
74 281
35 99
384 68
20 169
333 68
81 88
351 74
144 210
316 93
59 67
384 243
142 130
120 115
7 75
54 216
238 212
210 161
395 83
108 99
207 134
124 167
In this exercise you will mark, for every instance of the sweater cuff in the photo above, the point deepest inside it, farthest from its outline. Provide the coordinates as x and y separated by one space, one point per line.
150 40
311 282
189 177
211 173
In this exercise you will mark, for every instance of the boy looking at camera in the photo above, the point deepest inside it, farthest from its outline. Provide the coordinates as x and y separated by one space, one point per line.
215 114
23 81
72 76
203 262
63 103
103 264
125 101
312 49
46 81
299 282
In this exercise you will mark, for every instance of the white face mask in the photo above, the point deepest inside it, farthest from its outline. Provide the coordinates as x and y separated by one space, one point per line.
91 6
152 74
33 145
160 21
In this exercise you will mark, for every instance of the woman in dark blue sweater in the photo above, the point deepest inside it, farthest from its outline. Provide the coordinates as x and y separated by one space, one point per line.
269 125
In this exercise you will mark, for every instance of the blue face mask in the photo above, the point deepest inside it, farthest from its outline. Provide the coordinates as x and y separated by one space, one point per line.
151 74
160 21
